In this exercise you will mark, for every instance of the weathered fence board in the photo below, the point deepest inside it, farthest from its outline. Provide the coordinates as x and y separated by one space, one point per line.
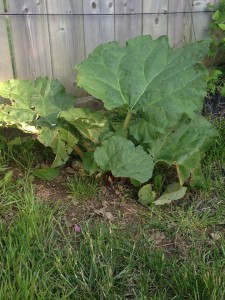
98 29
180 22
155 24
6 71
66 41
201 20
30 39
128 26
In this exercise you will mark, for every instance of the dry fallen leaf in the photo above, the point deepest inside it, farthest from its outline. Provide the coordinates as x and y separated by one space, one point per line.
109 216
69 170
215 235
106 215
157 237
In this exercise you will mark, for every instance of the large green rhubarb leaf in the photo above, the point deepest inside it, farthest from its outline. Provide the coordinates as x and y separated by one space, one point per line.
87 122
144 73
123 159
183 145
29 101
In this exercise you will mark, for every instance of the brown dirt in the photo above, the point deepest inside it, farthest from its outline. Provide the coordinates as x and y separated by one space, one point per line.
114 203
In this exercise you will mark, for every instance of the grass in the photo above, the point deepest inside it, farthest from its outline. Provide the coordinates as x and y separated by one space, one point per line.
82 188
39 259
174 252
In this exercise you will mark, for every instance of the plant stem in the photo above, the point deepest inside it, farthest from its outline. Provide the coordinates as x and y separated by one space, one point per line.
127 120
78 151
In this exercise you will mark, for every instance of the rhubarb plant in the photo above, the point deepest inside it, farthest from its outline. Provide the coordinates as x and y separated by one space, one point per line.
162 89
159 89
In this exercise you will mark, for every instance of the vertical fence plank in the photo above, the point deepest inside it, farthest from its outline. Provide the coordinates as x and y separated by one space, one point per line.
6 71
66 40
180 22
98 29
129 26
156 24
30 39
201 19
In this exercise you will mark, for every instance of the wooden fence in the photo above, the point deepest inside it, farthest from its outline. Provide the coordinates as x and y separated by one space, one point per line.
53 35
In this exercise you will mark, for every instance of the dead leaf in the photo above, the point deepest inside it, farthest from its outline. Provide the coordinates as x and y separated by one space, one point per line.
158 237
104 203
109 216
216 236
75 203
69 170
99 212
106 215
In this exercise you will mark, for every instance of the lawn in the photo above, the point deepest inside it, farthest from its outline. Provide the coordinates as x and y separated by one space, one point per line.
76 238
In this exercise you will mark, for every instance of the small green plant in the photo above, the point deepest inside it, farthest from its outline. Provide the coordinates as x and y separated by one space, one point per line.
217 30
216 76
160 91
82 188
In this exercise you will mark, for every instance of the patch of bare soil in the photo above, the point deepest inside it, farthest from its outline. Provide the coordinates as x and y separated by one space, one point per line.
113 203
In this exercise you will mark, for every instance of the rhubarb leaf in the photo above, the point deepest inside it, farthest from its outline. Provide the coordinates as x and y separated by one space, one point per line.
61 141
89 163
46 173
144 73
147 126
174 191
123 159
29 101
34 107
183 145
146 195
